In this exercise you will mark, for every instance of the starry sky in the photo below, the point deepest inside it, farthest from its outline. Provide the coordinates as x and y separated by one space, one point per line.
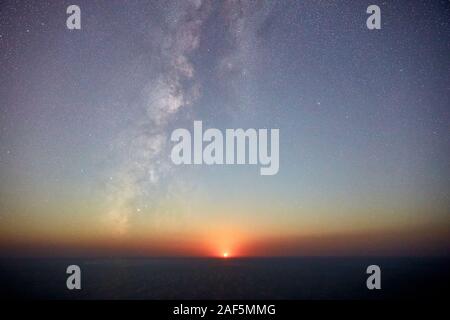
86 117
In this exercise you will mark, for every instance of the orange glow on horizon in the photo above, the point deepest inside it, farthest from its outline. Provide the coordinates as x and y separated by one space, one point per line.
223 243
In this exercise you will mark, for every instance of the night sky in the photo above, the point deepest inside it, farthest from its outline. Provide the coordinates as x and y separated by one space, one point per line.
86 117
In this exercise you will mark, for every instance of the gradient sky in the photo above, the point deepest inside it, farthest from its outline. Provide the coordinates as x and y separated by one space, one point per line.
86 118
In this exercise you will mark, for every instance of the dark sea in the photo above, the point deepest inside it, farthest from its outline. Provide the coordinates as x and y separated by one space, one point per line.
246 278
